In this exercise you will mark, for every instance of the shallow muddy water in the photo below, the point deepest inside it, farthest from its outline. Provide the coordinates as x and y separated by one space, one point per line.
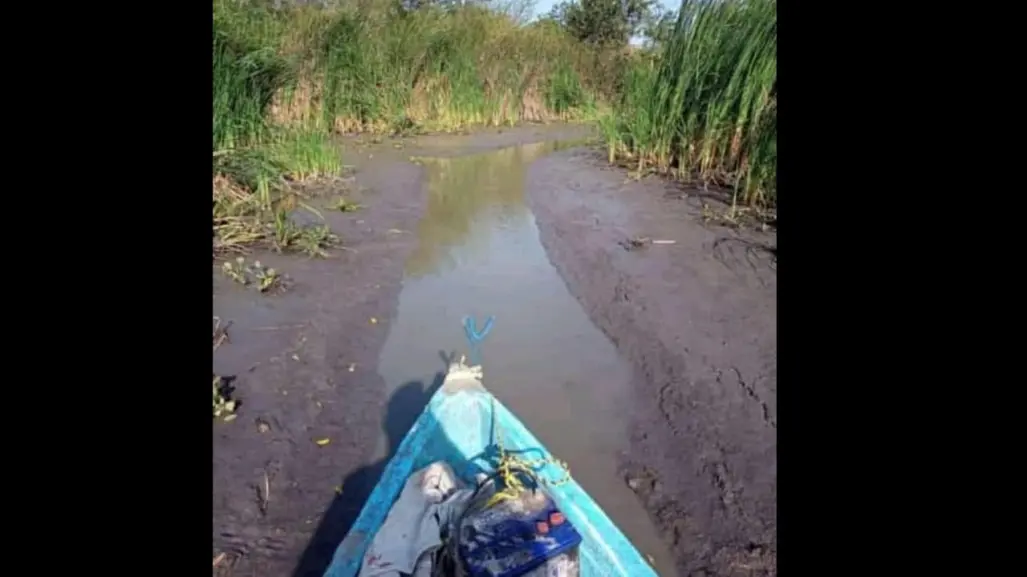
479 254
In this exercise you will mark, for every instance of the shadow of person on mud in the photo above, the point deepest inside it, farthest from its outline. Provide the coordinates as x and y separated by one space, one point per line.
403 409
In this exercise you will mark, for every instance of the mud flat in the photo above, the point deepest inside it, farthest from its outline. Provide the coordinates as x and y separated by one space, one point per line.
651 371
697 320
292 470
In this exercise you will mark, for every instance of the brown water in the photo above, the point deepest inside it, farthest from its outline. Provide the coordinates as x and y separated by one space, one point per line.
479 254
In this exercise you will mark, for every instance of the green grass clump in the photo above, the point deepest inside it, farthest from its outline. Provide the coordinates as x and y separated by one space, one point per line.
304 155
707 107
246 78
350 68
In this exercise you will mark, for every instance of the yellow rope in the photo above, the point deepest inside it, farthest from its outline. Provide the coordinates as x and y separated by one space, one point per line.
508 465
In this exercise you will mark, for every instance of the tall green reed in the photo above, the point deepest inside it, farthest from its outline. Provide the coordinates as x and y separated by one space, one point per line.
707 107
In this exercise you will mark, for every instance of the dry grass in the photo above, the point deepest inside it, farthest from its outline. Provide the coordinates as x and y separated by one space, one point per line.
237 217
243 219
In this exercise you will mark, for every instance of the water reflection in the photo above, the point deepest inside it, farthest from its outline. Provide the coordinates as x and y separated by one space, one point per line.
469 198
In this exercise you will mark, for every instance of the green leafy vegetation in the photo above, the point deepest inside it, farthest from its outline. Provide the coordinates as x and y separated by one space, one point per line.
704 104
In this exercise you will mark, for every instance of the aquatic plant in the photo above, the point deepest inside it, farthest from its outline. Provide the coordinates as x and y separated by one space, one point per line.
707 107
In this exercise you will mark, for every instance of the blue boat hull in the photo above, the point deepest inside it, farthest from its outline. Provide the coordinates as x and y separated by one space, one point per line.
457 427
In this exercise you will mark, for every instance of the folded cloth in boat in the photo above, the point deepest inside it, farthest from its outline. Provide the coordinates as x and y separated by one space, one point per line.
431 499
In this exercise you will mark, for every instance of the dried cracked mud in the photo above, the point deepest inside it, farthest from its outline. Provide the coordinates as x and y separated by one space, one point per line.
675 342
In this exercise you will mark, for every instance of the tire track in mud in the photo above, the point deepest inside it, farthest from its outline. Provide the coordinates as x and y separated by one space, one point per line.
704 458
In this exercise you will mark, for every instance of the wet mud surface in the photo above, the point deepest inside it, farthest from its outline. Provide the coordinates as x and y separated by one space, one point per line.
697 319
304 364
651 371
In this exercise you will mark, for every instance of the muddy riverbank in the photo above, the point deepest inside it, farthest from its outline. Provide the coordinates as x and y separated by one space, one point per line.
333 372
698 320
304 366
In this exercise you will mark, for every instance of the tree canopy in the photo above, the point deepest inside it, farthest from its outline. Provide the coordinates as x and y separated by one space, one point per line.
604 21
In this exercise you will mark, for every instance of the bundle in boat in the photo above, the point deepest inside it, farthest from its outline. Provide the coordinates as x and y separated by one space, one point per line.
439 527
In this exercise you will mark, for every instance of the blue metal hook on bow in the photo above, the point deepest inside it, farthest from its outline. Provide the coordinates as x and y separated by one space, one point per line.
475 337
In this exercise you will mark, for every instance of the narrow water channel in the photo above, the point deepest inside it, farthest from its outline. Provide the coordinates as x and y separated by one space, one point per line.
479 254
